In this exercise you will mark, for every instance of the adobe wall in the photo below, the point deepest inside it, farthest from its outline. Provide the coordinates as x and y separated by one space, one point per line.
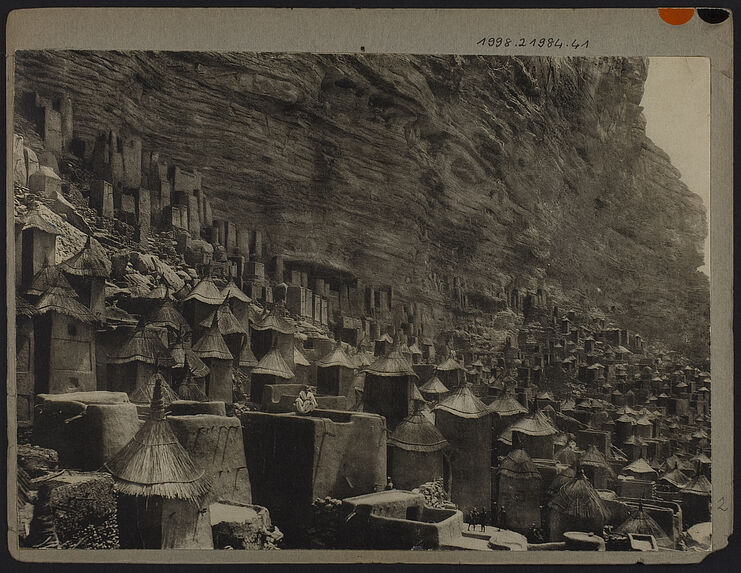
470 459
216 445
72 355
409 470
293 460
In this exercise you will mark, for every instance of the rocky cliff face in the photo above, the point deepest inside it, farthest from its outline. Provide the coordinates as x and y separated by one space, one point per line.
423 171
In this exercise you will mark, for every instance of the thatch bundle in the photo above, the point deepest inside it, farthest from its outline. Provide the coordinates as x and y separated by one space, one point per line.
187 359
154 463
189 389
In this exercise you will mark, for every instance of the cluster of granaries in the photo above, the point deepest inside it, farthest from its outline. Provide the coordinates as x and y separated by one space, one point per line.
541 466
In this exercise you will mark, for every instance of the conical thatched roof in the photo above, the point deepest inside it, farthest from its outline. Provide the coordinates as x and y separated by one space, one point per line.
642 523
594 458
578 498
274 321
224 320
211 345
417 395
415 433
189 389
449 364
273 364
561 479
536 425
463 403
698 485
507 406
168 316
676 478
91 261
640 466
47 278
144 345
414 350
385 338
116 315
63 301
24 308
206 292
247 358
34 220
335 357
434 386
154 463
393 364
298 358
145 394
518 465
232 291
186 358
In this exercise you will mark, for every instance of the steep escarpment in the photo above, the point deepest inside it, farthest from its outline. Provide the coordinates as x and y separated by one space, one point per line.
423 172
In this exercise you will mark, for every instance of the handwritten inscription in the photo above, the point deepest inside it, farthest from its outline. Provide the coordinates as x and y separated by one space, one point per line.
548 43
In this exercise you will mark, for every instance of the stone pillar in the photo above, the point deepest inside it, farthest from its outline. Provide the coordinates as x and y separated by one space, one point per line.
221 227
208 218
101 198
65 109
53 131
278 266
194 223
256 244
243 243
231 238
132 162
144 213
20 173
32 162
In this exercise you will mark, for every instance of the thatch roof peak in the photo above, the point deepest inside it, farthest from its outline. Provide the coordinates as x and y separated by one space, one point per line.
518 465
417 434
154 463
144 345
335 357
434 386
211 344
463 403
393 364
232 291
273 364
91 261
206 292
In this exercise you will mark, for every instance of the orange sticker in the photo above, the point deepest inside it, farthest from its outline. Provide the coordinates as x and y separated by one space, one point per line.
676 16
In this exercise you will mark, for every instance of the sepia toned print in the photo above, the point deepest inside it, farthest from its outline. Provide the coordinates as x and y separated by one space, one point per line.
271 301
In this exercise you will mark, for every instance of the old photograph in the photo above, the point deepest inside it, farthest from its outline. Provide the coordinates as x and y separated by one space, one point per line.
298 300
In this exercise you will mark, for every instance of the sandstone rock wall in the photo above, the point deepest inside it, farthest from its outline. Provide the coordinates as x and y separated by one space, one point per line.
422 172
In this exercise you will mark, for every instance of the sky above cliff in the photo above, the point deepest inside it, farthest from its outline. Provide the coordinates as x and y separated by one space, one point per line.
676 103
